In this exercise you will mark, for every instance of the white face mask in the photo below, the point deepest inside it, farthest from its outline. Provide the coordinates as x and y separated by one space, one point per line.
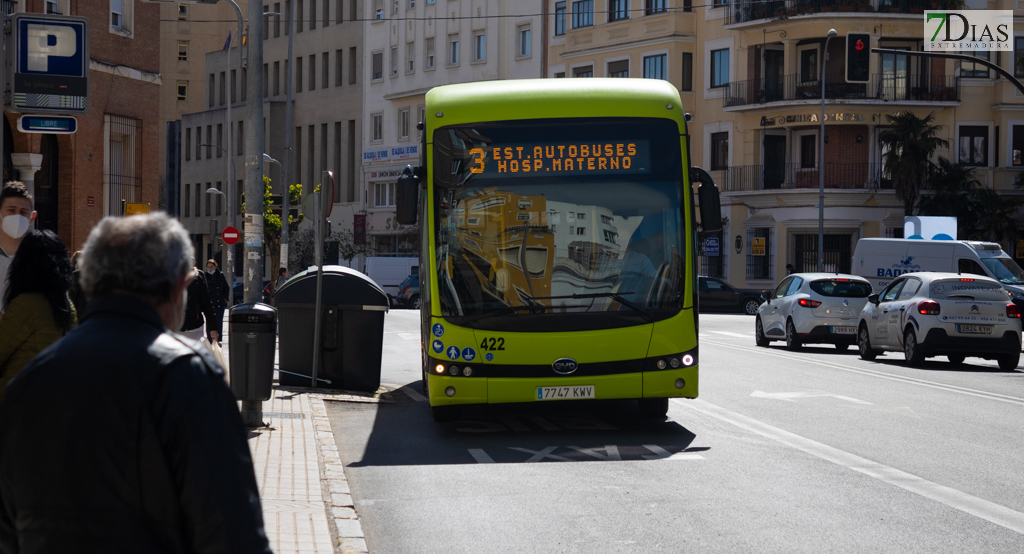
15 226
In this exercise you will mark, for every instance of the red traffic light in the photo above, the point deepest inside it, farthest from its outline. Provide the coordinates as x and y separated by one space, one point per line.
860 45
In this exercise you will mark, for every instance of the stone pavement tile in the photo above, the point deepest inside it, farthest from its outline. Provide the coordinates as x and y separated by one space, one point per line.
348 528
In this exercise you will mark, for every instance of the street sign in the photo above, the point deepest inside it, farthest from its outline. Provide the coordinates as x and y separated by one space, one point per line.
229 235
711 246
757 246
136 208
51 64
53 124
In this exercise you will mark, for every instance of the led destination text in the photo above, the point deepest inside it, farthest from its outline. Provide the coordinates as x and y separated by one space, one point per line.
562 158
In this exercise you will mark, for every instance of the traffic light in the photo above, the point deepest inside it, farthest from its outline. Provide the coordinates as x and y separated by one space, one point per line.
858 57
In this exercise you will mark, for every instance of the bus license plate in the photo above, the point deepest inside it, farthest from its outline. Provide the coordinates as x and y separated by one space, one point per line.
974 329
844 330
565 393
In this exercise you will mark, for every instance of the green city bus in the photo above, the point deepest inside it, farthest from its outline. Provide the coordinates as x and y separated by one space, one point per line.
558 243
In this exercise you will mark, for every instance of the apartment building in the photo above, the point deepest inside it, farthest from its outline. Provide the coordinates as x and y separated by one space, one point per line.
413 46
77 179
750 75
325 128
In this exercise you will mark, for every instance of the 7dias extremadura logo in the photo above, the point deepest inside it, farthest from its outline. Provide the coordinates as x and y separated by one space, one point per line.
968 31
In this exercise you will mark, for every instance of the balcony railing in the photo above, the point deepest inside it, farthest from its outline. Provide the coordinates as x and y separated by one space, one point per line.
886 87
792 176
741 11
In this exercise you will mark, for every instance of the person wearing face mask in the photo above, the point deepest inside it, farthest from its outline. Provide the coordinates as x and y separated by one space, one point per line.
161 463
219 290
198 309
16 217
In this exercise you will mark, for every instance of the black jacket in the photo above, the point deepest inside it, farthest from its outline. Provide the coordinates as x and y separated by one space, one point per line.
218 289
123 437
198 305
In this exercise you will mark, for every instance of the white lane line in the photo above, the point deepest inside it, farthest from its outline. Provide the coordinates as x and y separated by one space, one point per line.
409 336
873 373
989 511
480 456
731 334
413 394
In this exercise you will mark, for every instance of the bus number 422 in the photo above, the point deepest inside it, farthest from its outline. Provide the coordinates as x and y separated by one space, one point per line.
493 344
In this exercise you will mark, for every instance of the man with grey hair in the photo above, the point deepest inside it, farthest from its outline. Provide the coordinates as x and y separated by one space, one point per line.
123 436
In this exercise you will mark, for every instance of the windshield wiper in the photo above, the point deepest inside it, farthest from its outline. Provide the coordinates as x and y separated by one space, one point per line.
616 296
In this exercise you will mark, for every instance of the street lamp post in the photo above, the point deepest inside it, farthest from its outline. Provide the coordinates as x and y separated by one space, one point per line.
229 200
821 161
286 168
285 213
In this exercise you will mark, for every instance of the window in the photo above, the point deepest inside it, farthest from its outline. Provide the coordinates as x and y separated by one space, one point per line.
287 16
975 70
212 88
970 267
297 153
394 6
582 13
266 23
585 71
394 61
188 144
581 230
378 66
187 200
378 9
378 127
312 15
523 48
1018 57
403 124
618 10
220 198
182 90
327 13
209 141
429 2
654 66
240 143
207 197
559 18
973 145
324 64
687 83
479 47
412 5
383 195
312 72
117 14
199 139
183 12
719 151
124 159
300 16
560 75
808 151
760 266
720 68
339 10
453 49
220 139
266 80
423 117
619 69
410 57
339 55
652 7
809 66
298 74
234 79
182 50
277 20
277 78
1017 145
428 52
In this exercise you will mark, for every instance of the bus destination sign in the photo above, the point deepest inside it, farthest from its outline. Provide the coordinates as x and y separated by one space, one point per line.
562 158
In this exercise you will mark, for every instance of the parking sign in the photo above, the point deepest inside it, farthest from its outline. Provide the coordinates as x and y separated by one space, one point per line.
51 64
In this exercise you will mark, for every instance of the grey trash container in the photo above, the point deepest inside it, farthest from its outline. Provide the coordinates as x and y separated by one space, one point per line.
352 330
252 341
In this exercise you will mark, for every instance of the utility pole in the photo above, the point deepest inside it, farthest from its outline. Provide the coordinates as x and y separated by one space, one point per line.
252 410
287 169
232 196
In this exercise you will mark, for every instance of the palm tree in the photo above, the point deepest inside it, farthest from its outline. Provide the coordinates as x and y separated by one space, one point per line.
981 213
910 143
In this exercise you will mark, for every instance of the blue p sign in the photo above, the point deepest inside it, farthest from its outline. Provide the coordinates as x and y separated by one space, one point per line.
46 41
51 64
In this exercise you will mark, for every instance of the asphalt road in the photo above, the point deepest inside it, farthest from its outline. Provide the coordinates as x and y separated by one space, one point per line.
817 451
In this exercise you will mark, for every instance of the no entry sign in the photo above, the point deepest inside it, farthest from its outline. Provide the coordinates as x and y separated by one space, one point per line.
230 235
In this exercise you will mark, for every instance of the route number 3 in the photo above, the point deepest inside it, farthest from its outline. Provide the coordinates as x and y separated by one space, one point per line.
477 155
493 344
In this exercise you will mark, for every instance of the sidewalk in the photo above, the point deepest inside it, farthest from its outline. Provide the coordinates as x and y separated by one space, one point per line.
306 503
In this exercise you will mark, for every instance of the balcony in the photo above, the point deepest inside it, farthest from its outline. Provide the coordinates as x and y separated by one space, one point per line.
788 176
882 87
742 12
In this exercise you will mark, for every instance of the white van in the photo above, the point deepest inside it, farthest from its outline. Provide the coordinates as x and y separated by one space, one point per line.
880 260
389 272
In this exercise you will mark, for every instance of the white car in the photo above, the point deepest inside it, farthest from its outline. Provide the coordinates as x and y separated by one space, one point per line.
936 314
812 308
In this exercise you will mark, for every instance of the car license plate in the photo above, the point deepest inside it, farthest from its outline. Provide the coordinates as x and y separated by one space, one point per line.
974 329
844 330
565 393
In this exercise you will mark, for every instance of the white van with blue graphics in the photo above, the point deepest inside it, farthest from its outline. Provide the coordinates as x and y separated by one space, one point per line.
882 260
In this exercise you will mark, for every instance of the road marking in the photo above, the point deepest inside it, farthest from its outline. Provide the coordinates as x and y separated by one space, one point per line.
539 455
731 334
873 373
611 452
480 456
409 336
864 405
413 394
662 454
989 511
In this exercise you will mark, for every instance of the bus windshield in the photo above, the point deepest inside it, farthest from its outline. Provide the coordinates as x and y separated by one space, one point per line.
1005 270
566 224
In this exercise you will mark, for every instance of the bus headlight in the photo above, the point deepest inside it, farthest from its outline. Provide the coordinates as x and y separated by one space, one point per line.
687 360
661 364
439 369
450 391
674 362
453 370
467 371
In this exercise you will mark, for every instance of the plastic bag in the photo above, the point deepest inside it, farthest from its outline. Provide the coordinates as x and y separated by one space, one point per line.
218 353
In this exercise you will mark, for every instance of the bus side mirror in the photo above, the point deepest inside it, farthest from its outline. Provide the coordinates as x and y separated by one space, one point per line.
710 202
407 197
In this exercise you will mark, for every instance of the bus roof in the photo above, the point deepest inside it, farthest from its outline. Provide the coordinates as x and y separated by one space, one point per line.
552 98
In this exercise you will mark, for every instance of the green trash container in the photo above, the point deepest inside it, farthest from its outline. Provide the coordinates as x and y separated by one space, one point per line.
252 343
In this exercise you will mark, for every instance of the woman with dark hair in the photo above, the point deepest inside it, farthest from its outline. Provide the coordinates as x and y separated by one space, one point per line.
37 310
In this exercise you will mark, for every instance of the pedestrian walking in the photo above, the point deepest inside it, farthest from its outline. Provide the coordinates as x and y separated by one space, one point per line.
282 276
16 217
37 310
198 309
219 292
123 436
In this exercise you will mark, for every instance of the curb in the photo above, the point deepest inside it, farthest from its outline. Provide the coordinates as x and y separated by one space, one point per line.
347 529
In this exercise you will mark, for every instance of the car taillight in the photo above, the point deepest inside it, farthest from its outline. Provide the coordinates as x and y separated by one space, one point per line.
808 303
1012 310
405 289
928 307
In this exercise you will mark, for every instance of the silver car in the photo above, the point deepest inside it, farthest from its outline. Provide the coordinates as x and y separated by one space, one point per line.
812 308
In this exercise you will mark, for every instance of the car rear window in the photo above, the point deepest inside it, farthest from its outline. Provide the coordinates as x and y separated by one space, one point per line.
967 288
841 288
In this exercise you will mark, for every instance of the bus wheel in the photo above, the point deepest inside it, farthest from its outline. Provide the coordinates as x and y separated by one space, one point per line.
443 413
653 407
